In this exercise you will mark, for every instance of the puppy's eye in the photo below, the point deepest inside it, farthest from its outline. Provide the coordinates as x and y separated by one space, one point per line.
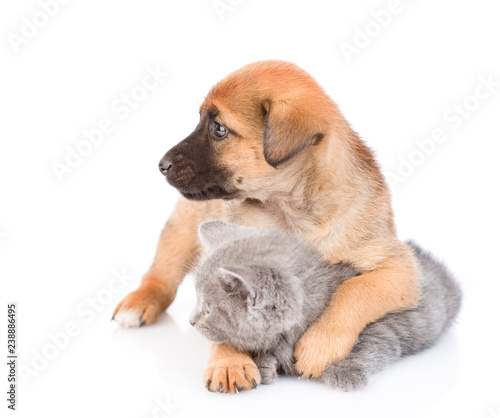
207 308
219 131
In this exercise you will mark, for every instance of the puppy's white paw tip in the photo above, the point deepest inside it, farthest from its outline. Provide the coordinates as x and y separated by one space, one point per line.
128 318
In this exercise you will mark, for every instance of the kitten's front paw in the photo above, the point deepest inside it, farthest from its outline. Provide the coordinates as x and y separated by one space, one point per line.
231 375
268 366
346 375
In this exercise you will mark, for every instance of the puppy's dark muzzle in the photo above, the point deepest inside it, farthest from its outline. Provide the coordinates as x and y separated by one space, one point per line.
164 166
190 167
178 173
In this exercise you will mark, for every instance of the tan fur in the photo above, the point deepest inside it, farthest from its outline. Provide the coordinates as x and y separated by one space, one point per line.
230 370
177 250
327 188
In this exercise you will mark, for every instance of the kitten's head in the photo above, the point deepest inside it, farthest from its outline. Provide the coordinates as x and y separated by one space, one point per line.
246 295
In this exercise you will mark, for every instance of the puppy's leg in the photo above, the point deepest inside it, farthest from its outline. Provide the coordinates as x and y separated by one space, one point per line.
177 249
377 346
230 370
357 302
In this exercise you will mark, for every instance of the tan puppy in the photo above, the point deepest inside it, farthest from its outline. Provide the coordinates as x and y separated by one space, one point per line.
273 150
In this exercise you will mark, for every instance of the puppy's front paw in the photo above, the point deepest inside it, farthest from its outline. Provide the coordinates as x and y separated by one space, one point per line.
232 375
143 306
128 318
346 375
320 347
267 365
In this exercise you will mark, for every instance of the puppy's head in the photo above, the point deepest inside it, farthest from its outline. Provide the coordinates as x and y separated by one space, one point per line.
253 125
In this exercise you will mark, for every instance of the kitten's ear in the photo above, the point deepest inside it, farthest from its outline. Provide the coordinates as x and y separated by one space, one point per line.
214 233
239 279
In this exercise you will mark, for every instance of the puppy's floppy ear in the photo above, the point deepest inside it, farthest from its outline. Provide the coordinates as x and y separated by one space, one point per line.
288 130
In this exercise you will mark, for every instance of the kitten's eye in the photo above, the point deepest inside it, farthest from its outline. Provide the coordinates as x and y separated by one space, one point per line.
218 130
207 308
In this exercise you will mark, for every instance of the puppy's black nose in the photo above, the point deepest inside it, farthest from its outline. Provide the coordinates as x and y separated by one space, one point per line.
164 166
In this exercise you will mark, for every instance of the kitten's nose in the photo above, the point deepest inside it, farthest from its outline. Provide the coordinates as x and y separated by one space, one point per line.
192 323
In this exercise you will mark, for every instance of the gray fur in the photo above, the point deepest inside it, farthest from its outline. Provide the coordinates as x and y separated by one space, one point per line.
259 290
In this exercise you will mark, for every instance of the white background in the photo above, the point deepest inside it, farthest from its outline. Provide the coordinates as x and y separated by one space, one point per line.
61 239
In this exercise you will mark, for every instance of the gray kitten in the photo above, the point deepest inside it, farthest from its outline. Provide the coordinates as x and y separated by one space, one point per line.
259 290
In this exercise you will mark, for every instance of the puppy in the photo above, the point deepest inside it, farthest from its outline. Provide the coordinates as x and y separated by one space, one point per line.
272 150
